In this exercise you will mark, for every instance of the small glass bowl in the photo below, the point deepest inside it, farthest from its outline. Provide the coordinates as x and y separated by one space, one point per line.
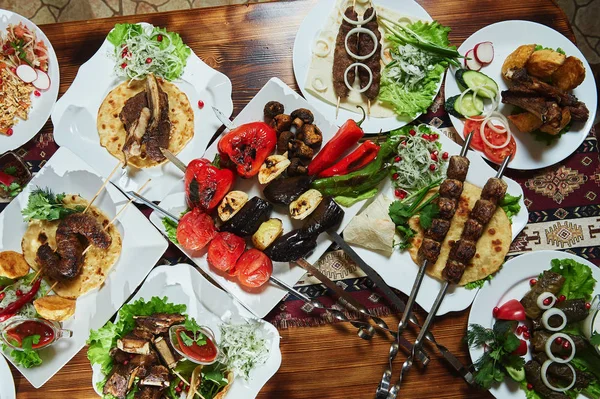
587 325
206 331
15 321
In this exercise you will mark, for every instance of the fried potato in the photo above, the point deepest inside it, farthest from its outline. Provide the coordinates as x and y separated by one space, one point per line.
566 118
569 75
526 122
518 58
13 264
54 307
543 63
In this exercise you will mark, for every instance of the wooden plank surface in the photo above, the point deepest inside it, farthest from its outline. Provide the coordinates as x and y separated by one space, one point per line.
251 45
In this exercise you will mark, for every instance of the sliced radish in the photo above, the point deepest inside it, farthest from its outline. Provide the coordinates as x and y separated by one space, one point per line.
470 61
42 81
26 73
484 52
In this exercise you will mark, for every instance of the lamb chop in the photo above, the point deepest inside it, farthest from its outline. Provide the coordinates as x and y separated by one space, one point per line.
548 111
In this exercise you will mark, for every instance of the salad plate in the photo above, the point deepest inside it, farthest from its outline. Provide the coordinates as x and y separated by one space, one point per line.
7 388
211 307
75 117
141 247
42 105
532 151
399 270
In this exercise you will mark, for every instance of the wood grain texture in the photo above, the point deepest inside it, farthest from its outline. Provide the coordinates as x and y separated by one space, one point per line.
251 45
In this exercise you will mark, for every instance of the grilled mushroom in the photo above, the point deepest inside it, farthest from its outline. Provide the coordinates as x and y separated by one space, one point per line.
281 123
301 116
299 149
310 135
298 167
283 141
272 109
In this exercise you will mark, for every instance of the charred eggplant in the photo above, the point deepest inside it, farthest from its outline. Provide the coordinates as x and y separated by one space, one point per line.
328 215
249 218
292 246
284 191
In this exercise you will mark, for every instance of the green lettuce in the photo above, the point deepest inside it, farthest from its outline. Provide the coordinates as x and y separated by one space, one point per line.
579 282
120 31
510 205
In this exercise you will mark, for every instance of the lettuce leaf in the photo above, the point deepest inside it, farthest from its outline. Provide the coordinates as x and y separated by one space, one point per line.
579 282
117 35
432 31
510 205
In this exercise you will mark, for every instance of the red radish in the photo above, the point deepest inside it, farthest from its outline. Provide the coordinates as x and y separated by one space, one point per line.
26 73
42 81
484 52
470 61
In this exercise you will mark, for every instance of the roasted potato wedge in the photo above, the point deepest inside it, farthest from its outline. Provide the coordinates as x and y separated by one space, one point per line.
268 232
566 118
54 307
518 58
543 63
305 204
569 75
526 122
13 264
231 204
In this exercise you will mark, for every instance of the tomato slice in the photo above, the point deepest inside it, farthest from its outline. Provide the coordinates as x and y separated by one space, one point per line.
195 230
224 250
497 155
511 310
253 268
474 126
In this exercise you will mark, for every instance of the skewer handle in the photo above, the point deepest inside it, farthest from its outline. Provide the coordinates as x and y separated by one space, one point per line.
465 147
502 168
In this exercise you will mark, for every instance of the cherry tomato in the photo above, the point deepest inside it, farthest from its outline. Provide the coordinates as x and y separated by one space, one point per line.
497 155
195 230
253 268
224 250
474 126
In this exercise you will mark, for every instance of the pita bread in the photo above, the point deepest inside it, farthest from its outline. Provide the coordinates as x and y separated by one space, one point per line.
492 247
112 132
373 229
222 394
97 262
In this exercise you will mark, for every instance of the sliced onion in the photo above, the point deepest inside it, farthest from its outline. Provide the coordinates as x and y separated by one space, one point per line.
324 52
548 347
543 296
361 30
351 21
318 84
546 382
362 1
488 121
553 312
358 64
384 56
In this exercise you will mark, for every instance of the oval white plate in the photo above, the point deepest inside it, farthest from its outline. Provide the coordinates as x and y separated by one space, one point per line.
7 388
75 114
512 282
41 106
210 306
506 37
399 271
309 30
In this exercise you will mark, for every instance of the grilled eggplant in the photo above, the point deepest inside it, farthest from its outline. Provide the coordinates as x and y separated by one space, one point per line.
284 191
249 218
328 215
292 246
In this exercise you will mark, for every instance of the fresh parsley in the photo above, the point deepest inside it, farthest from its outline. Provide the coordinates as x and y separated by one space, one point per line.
19 47
595 339
548 138
10 170
428 213
27 357
11 190
43 204
510 205
197 337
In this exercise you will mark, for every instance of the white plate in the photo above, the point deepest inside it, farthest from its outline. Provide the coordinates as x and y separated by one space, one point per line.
512 282
261 301
41 106
74 118
506 37
7 387
399 271
210 306
142 248
307 33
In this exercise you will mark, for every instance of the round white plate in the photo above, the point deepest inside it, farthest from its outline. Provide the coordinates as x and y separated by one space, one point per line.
506 37
399 270
512 282
310 29
41 106
7 387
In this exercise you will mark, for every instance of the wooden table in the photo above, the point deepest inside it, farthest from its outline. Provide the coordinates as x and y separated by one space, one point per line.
251 45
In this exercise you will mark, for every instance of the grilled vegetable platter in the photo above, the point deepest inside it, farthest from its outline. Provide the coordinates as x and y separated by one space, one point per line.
533 332
525 90
168 341
267 189
386 58
138 94
63 261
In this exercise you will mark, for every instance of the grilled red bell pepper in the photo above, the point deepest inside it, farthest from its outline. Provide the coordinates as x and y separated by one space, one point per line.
356 160
14 307
6 179
247 146
205 184
345 138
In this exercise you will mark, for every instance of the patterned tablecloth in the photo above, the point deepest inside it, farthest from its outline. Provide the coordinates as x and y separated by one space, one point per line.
564 214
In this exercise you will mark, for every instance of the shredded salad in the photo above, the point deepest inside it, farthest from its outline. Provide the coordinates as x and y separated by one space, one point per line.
142 50
244 347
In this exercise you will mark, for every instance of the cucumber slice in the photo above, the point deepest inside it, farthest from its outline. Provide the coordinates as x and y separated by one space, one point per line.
474 79
450 106
517 375
470 105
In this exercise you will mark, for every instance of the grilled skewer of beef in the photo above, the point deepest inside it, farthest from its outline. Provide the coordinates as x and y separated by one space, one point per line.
341 59
365 47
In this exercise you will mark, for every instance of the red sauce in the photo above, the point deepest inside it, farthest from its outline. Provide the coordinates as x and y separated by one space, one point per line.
29 328
205 353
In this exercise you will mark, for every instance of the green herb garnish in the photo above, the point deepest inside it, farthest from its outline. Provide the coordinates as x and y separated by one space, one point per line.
479 283
12 190
45 205
27 357
197 338
510 205
10 170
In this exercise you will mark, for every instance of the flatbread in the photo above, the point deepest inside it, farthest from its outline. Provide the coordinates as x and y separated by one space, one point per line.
112 132
97 263
373 228
492 247
226 388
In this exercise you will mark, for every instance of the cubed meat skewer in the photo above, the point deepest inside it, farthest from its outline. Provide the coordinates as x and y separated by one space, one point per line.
438 229
453 271
494 190
447 208
458 167
472 230
451 188
463 251
483 211
429 250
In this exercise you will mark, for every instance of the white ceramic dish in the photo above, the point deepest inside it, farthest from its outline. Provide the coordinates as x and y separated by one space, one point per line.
512 282
7 388
399 271
506 36
142 248
74 118
303 45
261 301
210 306
41 106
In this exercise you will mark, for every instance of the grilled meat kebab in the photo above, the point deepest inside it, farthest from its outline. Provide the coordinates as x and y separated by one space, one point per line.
365 47
341 59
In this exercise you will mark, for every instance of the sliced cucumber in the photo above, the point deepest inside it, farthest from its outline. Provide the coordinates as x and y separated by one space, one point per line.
517 375
470 105
474 80
450 106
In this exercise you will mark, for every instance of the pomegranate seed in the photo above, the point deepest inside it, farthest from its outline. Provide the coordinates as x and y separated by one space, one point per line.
0 81
126 362
562 298
435 136
395 176
180 384
434 157
13 70
124 65
588 305
547 301
37 93
2 295
445 155
400 193
532 282
519 330
412 132
425 137
148 60
566 344
159 38
177 389
19 293
526 335
200 104
10 131
403 195
432 167
397 159
436 152
559 340
495 311
529 386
